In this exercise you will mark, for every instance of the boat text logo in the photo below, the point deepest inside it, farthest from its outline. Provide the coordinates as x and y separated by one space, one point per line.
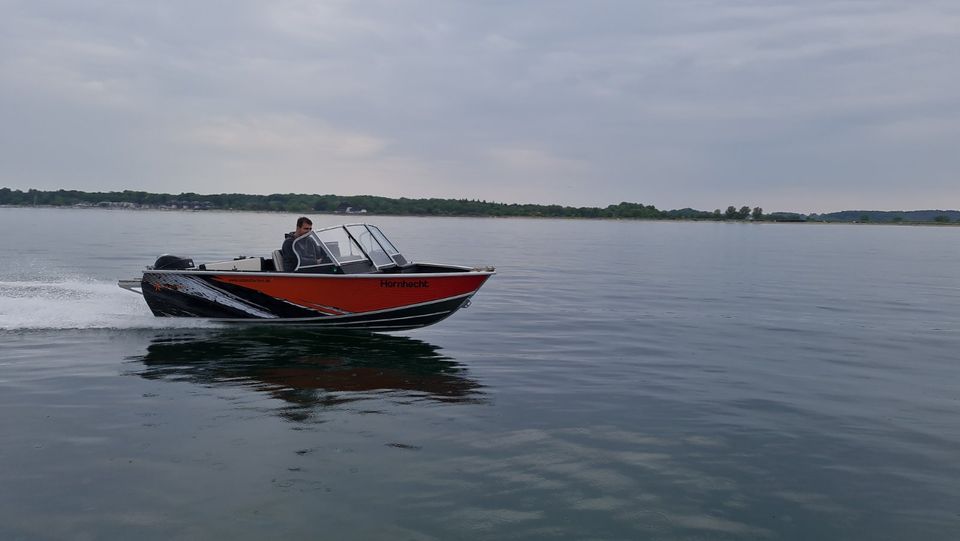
404 283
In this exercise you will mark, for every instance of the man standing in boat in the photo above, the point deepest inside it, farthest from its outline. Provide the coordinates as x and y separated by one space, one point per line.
309 253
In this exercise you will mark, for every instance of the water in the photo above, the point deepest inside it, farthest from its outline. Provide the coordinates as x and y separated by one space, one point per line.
615 380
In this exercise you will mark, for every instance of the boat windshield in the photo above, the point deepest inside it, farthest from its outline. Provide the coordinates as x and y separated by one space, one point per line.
309 252
387 245
370 245
358 242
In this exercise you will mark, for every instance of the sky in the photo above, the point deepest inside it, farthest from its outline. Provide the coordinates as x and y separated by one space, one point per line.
798 105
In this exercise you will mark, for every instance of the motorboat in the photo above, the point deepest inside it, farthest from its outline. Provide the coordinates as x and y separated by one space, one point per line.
346 277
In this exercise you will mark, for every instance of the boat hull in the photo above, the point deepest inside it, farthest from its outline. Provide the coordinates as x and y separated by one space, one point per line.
363 301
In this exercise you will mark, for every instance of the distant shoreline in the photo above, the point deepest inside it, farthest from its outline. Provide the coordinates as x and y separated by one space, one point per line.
360 215
360 205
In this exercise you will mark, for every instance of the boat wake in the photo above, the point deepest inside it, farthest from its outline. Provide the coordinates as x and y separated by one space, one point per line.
78 304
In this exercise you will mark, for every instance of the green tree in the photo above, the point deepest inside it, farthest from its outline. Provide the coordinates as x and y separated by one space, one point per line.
757 213
731 213
942 219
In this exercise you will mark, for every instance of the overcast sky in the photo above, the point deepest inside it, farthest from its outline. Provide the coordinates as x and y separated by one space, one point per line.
805 105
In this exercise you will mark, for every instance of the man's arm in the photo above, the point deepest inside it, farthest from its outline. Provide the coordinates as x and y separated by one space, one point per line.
289 258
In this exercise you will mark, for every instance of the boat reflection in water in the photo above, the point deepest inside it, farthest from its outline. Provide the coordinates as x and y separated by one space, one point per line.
310 368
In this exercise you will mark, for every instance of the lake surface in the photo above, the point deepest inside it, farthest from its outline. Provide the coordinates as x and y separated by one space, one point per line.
615 380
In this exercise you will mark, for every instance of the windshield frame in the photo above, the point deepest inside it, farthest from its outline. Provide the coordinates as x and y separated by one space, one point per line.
351 230
311 236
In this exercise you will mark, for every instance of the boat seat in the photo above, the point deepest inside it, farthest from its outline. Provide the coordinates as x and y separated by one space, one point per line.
333 247
277 261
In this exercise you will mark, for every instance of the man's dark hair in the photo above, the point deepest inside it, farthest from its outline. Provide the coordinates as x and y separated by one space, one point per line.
303 220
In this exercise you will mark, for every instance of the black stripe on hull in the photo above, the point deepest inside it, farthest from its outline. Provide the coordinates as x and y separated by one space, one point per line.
397 319
172 295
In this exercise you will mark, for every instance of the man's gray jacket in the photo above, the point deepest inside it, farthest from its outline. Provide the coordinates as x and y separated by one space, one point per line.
308 251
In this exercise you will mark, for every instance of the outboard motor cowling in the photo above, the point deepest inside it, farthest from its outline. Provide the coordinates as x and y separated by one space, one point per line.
173 262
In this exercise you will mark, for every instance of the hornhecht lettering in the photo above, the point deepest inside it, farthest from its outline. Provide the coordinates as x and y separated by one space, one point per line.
404 283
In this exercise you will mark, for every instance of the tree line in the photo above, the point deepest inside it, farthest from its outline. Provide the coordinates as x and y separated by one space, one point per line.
305 203
329 203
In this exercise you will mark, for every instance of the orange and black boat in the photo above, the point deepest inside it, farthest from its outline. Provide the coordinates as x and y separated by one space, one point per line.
347 276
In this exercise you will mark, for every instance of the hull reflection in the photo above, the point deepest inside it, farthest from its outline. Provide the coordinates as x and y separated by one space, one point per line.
310 368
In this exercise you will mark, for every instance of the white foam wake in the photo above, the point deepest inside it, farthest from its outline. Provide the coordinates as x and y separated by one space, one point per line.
78 304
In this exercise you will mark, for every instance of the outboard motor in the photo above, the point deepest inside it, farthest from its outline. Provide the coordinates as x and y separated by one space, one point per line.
172 262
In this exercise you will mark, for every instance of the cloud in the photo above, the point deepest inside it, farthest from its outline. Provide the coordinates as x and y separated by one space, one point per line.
534 161
283 135
697 103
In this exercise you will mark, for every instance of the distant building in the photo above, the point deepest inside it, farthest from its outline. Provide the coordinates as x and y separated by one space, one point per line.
346 208
117 205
